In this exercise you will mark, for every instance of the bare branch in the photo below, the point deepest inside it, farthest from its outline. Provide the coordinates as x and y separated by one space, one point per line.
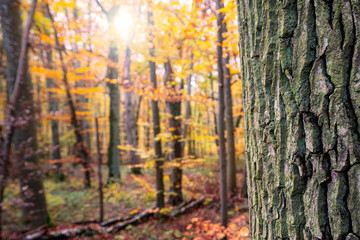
102 8
23 54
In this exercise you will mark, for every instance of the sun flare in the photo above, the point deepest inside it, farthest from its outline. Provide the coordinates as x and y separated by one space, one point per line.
124 24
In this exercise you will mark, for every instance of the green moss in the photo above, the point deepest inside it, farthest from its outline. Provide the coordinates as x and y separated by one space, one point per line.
49 221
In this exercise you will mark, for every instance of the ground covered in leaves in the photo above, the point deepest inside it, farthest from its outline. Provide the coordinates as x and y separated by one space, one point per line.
71 205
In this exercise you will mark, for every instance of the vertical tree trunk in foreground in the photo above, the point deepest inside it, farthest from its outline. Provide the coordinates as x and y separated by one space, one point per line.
34 211
159 160
130 120
300 70
173 109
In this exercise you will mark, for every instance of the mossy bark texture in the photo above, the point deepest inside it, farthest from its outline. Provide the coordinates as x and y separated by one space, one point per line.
300 64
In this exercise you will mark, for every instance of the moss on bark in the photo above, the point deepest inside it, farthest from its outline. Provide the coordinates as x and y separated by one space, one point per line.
300 69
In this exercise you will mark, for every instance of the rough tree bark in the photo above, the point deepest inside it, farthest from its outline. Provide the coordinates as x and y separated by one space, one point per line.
130 120
300 69
21 123
173 109
155 116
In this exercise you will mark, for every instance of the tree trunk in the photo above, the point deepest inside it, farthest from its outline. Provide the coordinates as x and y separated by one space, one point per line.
300 70
80 146
130 122
214 111
137 115
186 131
81 99
98 151
173 109
221 122
114 142
34 211
112 75
159 158
53 109
230 138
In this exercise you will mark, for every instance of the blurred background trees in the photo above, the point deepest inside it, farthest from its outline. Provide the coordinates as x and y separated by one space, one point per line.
146 70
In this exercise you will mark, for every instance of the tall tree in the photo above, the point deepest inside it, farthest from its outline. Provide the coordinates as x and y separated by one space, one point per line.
113 85
53 109
230 138
300 69
80 146
155 116
81 99
214 110
21 108
221 123
173 109
186 131
130 120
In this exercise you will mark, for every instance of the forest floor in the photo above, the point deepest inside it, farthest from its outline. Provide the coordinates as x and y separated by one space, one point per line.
69 203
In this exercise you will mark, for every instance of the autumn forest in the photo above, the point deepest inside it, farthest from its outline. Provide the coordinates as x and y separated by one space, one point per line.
110 120
183 119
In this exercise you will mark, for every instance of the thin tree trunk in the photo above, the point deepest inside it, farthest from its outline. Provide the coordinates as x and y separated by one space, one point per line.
21 109
230 138
221 123
300 71
80 145
101 198
173 108
137 115
130 116
147 127
80 83
214 111
186 131
159 158
53 109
